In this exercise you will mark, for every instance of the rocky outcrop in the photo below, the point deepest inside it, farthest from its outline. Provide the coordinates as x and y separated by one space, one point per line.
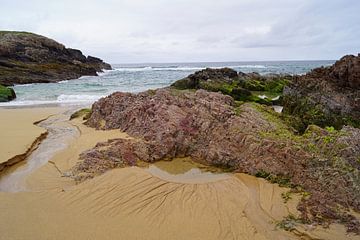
29 58
6 94
237 85
327 96
213 129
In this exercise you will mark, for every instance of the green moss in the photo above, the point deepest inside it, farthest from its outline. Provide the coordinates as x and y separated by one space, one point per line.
302 112
217 86
283 181
253 85
6 94
286 196
330 129
85 113
276 86
272 86
289 223
184 84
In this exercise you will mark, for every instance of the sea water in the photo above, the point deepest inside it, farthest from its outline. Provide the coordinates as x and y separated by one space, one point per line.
137 78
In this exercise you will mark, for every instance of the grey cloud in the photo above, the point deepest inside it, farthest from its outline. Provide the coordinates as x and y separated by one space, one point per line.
188 30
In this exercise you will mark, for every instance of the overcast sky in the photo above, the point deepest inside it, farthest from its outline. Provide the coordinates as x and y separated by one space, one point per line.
124 31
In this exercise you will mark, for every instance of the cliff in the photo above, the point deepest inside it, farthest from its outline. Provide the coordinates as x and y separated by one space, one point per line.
31 58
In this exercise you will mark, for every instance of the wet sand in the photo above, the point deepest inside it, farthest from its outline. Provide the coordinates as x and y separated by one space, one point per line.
18 131
167 200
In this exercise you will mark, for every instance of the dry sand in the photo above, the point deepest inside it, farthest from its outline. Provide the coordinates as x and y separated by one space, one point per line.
136 203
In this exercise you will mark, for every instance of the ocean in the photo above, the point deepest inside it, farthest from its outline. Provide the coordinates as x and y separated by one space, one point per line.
137 78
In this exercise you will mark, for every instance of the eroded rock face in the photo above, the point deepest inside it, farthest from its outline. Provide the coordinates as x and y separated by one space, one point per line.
28 58
172 123
212 129
346 72
331 94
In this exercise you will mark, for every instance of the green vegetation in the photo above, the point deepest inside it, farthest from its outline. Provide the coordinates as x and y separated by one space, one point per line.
286 196
301 112
85 113
283 181
289 223
272 86
239 89
6 94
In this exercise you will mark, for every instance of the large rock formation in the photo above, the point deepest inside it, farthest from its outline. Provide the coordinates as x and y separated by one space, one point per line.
212 128
327 96
28 58
237 85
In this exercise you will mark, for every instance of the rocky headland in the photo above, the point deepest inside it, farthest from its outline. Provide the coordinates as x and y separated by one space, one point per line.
31 58
216 117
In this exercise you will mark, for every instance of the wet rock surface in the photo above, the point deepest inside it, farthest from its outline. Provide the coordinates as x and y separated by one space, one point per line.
213 129
31 58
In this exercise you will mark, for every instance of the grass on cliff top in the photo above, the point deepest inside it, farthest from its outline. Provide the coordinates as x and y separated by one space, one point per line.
16 33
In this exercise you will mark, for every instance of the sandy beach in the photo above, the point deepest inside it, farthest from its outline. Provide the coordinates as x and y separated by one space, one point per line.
167 200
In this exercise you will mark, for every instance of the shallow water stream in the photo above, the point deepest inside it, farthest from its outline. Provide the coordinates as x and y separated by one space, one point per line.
59 133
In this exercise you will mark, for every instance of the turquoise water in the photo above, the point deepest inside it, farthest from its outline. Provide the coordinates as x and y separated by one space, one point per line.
137 78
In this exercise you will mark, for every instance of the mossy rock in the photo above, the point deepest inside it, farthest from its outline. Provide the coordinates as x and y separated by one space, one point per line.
6 94
301 112
273 85
185 83
85 113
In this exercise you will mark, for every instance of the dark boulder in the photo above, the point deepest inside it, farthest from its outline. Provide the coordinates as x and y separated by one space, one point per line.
193 81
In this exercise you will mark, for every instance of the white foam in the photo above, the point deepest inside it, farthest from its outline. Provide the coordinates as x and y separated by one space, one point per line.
247 66
262 96
61 100
183 68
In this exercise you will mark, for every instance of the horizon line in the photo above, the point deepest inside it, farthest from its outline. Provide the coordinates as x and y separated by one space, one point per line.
259 61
